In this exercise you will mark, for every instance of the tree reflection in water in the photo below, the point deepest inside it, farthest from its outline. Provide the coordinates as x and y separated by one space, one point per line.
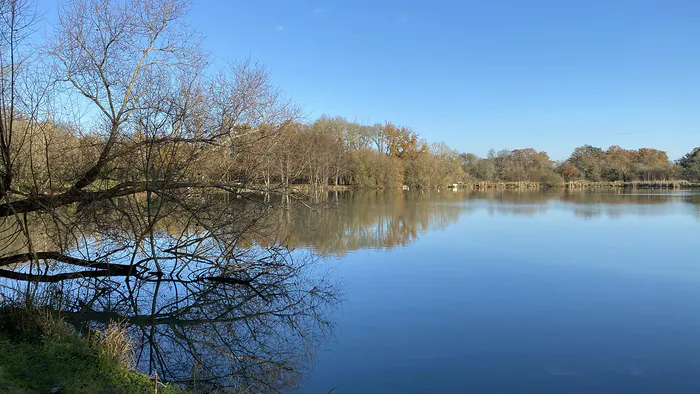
201 309
356 220
214 294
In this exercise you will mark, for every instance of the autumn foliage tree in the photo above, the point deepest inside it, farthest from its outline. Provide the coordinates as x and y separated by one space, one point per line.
401 141
568 171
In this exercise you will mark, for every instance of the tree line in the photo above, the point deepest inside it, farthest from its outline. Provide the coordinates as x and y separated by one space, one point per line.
335 151
332 151
587 163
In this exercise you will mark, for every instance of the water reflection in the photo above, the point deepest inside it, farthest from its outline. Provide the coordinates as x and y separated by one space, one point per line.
362 220
389 219
553 292
221 298
206 335
203 309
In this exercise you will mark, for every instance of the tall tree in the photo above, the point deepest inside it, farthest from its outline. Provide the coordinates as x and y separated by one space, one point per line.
589 160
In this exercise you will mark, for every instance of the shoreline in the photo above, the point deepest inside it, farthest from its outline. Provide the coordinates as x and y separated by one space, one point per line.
523 185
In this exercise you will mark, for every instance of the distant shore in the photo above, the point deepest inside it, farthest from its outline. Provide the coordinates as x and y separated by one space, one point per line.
672 184
527 185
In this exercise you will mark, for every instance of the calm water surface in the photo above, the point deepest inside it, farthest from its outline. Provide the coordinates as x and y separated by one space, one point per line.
556 292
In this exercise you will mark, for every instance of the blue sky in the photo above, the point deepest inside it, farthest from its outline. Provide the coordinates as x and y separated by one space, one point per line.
550 75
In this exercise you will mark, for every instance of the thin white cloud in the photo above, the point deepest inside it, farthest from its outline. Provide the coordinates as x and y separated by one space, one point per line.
279 28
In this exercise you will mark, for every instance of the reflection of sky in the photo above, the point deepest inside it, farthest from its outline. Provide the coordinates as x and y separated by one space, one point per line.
666 206
538 302
380 220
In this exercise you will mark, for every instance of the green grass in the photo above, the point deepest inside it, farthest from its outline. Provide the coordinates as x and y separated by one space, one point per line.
39 353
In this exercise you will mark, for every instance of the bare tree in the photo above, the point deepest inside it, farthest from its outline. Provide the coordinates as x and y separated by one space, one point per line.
153 122
126 190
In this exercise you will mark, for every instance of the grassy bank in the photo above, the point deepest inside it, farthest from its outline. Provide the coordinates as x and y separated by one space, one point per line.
41 354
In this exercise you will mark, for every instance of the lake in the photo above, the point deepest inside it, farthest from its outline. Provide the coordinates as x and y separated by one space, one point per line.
396 292
509 292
